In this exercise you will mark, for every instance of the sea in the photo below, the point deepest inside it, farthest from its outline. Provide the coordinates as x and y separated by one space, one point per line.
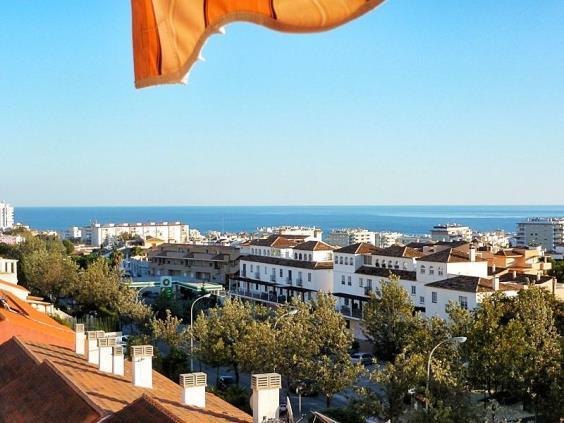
404 219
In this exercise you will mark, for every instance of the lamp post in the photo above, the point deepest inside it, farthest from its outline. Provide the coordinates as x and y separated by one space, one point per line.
458 340
289 313
191 330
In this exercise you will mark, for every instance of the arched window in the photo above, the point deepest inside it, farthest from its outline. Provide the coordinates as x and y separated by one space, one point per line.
336 259
431 270
346 261
397 265
422 269
341 260
300 256
390 264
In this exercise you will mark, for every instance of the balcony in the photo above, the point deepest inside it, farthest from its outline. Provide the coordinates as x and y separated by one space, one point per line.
355 313
368 290
269 297
289 281
272 278
257 275
299 282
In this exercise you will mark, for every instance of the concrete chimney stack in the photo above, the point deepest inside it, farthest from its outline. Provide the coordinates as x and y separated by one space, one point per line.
92 351
194 389
265 399
79 338
142 360
105 346
118 360
496 283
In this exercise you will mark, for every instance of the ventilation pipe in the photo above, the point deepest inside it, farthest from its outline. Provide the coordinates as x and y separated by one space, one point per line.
265 400
142 358
194 389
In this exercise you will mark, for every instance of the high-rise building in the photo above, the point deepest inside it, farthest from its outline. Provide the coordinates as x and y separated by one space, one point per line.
545 232
348 236
6 216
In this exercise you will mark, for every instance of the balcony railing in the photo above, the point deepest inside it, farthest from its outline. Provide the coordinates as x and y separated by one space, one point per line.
257 275
299 282
271 297
289 281
272 278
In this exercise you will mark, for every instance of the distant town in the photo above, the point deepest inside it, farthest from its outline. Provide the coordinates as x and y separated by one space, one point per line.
167 266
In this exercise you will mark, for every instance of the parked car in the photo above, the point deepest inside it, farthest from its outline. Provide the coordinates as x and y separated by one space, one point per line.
225 381
363 358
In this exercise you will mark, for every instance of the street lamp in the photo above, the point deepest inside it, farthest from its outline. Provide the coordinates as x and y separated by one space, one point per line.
289 313
191 330
456 339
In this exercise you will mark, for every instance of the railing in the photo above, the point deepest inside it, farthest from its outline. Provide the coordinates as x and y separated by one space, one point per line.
257 275
299 282
272 278
355 312
263 296
289 281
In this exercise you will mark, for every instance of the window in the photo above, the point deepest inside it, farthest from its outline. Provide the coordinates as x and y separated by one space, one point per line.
336 259
431 270
463 301
369 283
396 265
251 268
309 296
440 271
310 257
422 270
256 286
413 290
349 281
299 276
309 277
341 260
360 282
281 273
300 256
342 279
434 297
346 261
422 300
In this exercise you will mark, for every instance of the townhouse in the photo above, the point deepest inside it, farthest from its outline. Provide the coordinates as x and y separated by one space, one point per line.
272 270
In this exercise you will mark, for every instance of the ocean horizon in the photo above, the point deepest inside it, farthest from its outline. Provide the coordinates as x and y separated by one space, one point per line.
405 219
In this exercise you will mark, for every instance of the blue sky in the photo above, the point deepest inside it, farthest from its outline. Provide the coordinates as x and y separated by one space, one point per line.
419 102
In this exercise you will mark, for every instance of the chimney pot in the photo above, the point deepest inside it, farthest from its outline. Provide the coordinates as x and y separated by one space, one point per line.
79 338
117 360
265 399
142 358
93 351
194 389
105 346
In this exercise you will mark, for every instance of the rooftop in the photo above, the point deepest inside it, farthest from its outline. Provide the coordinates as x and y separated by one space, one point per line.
359 248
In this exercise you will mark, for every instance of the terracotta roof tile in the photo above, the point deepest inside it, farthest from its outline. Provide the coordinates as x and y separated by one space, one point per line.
41 394
386 273
314 246
359 248
23 320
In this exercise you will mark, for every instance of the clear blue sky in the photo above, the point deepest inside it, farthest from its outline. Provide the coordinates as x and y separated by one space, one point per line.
419 102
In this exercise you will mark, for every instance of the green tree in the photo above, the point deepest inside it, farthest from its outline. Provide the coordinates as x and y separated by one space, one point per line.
49 274
69 247
169 331
256 350
389 319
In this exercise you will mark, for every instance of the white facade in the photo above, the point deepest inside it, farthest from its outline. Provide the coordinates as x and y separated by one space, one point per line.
100 234
6 216
451 232
546 232
9 270
349 236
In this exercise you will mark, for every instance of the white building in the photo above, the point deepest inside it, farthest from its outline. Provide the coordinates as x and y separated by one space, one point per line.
74 232
308 231
546 232
451 232
348 236
6 216
100 234
280 267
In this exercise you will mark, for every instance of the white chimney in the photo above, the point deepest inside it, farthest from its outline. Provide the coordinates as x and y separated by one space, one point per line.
142 358
514 274
496 283
105 362
92 350
117 360
79 338
494 267
472 253
265 400
194 389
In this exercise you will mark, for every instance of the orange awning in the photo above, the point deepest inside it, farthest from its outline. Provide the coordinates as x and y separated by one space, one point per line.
169 34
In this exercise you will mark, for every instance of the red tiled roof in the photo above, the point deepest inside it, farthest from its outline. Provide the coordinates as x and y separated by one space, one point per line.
28 323
42 394
113 393
359 248
313 246
3 283
143 409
